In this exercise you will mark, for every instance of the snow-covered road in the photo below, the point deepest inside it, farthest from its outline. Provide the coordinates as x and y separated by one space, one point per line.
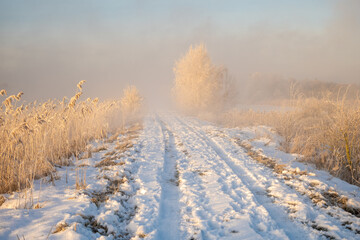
182 178
208 187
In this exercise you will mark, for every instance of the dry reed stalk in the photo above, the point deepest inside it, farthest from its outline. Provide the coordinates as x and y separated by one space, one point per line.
35 137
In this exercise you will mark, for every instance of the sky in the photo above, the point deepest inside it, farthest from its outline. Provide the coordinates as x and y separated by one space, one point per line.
46 47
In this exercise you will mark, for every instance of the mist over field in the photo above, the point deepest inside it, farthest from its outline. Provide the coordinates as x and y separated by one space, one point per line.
168 120
47 47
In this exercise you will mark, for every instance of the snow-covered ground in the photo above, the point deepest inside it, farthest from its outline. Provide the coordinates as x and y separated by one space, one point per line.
181 178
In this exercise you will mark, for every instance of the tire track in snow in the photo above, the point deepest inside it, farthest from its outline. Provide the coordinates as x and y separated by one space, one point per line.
315 220
197 217
191 191
169 219
230 204
149 162
292 230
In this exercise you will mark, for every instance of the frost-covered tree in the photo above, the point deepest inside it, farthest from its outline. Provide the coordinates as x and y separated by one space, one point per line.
200 86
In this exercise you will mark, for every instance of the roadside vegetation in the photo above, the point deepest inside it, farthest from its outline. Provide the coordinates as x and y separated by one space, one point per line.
325 131
319 120
37 137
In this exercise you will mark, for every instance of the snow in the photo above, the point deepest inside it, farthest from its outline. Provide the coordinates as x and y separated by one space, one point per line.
182 178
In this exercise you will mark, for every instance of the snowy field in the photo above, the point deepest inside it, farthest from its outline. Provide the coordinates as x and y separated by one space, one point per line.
181 178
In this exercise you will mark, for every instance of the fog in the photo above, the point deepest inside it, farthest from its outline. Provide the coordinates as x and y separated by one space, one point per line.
47 47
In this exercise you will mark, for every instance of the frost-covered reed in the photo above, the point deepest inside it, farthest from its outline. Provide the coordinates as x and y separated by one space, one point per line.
36 137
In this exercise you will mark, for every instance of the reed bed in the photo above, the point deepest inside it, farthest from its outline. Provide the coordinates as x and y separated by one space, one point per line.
36 137
325 131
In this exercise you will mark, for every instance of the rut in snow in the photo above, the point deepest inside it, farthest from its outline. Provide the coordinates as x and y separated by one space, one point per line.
232 192
169 202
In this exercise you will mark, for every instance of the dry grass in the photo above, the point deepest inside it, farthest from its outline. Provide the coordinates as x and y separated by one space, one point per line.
35 137
326 132
318 196
2 200
108 162
60 227
122 147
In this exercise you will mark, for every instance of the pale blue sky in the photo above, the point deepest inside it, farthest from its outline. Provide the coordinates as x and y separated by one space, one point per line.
135 16
55 44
